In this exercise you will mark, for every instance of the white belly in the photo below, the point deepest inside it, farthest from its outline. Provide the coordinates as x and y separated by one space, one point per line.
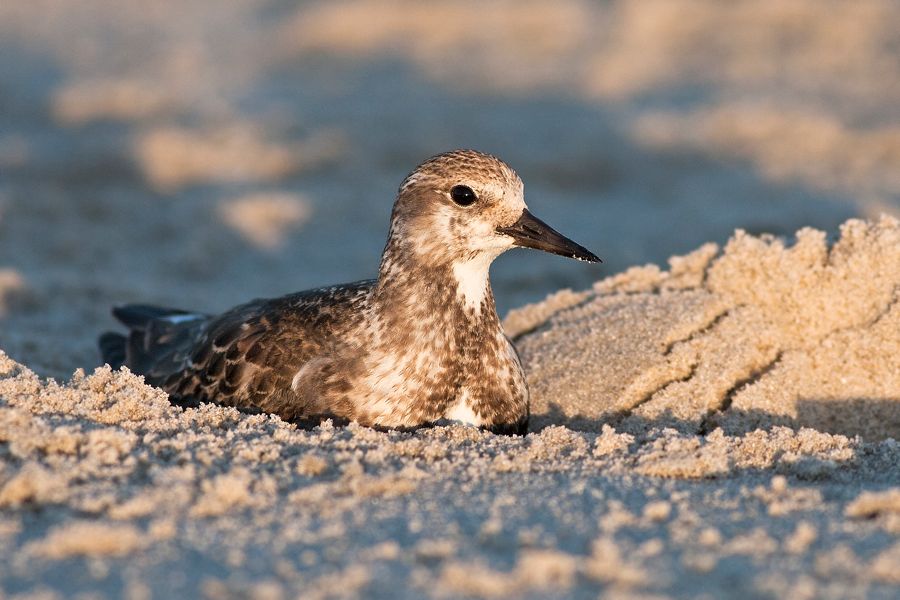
461 411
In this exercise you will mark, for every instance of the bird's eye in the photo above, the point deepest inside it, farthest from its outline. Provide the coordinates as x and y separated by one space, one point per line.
462 195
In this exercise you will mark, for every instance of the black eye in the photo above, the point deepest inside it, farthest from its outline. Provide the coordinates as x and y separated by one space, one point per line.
463 195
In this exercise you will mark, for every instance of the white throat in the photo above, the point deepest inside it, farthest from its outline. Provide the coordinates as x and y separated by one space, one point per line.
472 280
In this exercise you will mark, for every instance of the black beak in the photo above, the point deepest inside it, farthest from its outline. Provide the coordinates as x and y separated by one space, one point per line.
531 232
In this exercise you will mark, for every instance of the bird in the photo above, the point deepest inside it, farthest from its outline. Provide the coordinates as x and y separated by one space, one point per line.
420 345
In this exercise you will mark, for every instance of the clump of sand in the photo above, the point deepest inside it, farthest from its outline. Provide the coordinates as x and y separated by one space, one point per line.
735 366
265 220
239 152
786 144
757 335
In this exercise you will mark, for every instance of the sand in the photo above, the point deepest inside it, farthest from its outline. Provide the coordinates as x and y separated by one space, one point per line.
724 424
760 335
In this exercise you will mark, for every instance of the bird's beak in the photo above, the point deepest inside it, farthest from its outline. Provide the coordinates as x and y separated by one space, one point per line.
531 232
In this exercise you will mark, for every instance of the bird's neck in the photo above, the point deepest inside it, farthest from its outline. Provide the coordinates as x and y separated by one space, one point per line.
412 283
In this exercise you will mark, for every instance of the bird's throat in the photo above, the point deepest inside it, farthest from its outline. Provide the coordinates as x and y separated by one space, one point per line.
409 284
473 287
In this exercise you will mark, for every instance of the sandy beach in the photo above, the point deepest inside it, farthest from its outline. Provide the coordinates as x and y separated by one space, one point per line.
716 408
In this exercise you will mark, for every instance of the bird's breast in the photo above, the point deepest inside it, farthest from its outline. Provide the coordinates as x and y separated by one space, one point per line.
416 374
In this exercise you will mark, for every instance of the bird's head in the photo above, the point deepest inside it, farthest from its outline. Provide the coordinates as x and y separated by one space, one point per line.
468 207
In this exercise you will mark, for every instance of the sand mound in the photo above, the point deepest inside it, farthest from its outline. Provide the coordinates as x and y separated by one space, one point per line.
758 335
754 366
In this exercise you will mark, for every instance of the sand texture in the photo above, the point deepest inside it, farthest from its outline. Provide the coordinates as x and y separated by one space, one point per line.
722 426
760 335
728 424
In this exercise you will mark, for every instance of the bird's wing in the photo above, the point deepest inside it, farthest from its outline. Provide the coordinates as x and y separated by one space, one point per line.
278 356
240 358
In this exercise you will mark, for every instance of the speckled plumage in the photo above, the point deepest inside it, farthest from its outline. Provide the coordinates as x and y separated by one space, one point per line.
419 345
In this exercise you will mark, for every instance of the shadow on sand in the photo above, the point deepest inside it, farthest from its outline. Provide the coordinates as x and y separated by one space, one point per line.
872 419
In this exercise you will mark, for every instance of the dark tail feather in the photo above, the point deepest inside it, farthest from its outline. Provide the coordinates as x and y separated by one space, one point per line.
112 349
136 316
155 334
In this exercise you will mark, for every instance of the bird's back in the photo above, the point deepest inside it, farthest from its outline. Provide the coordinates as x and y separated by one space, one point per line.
246 357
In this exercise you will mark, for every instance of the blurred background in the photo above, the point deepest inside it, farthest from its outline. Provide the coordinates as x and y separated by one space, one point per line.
202 153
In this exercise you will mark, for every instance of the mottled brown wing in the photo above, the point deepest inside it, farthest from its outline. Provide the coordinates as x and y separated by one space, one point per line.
239 359
249 356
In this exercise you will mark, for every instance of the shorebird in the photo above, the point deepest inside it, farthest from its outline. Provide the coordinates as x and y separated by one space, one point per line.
420 345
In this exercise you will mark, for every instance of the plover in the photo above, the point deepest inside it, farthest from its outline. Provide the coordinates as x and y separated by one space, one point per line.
419 345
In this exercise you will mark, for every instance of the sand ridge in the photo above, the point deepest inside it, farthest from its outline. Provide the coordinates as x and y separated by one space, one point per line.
762 334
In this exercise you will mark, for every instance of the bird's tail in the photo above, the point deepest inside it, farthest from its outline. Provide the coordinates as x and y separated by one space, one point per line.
153 333
112 349
138 316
